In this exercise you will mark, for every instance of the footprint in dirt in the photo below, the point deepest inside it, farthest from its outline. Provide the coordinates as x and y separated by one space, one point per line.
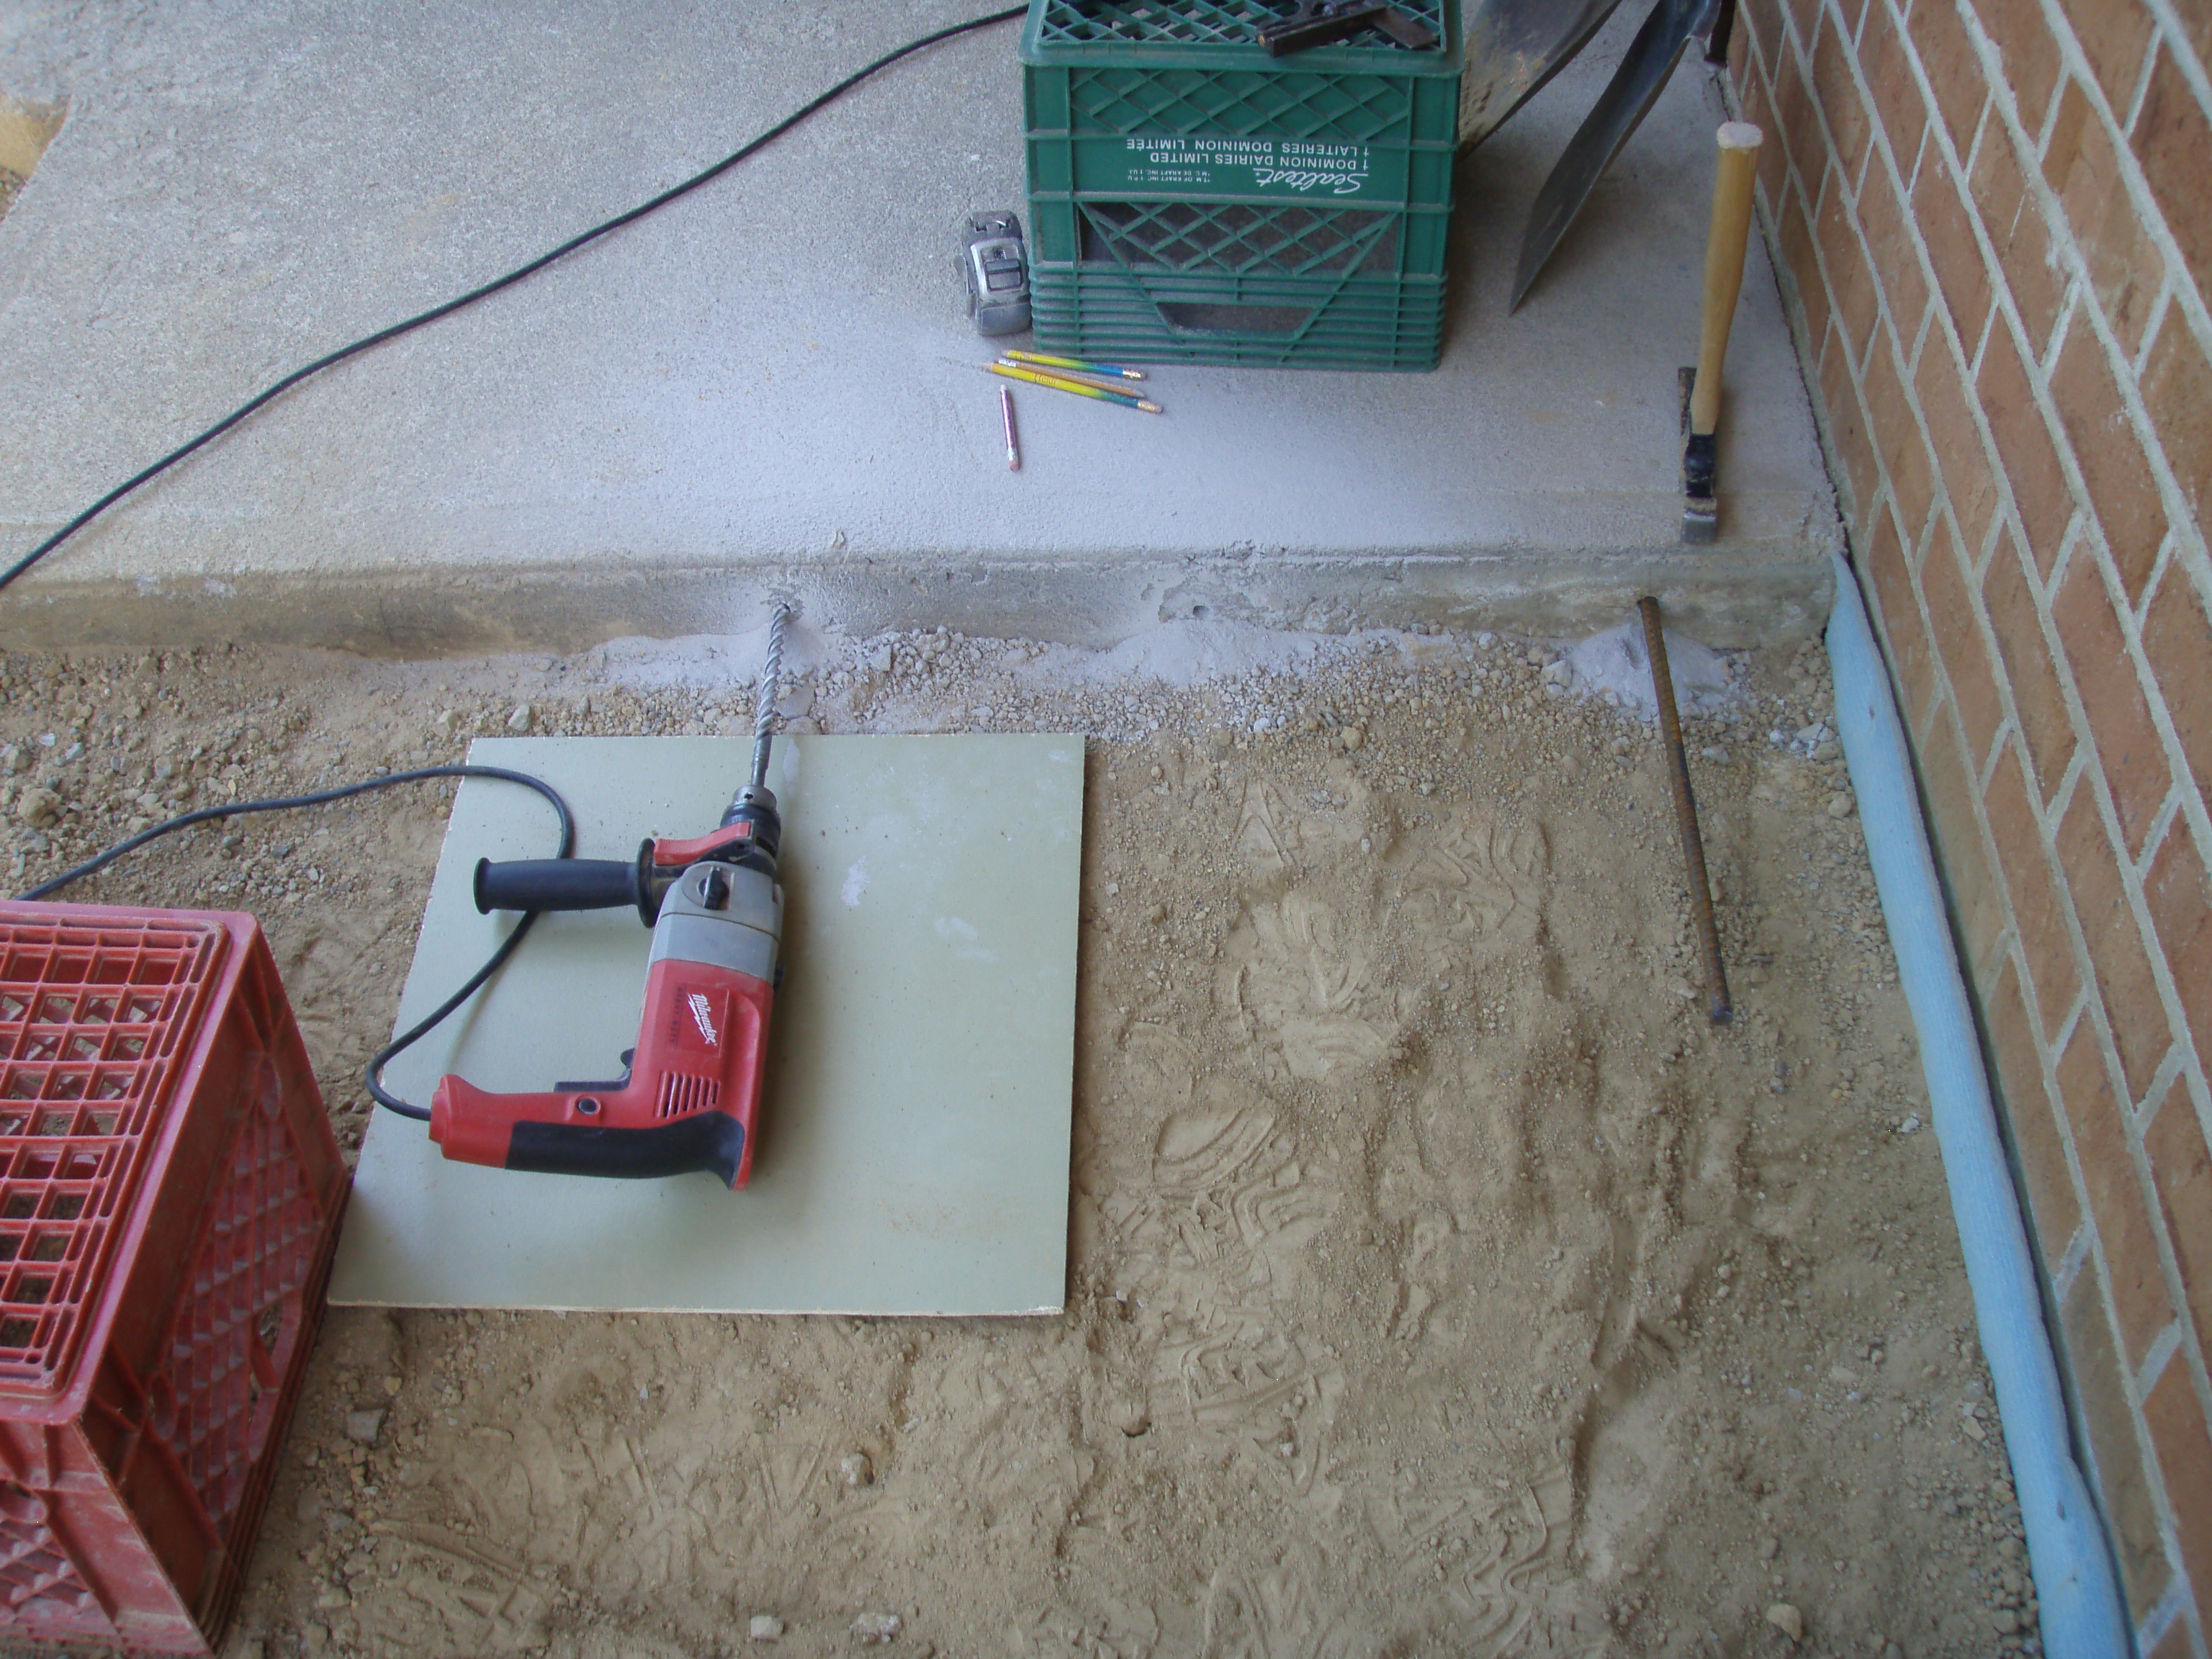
1300 974
1504 1587
1261 1615
1224 1159
1483 880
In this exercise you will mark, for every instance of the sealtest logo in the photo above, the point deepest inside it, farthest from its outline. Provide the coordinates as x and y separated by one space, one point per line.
703 1015
1305 166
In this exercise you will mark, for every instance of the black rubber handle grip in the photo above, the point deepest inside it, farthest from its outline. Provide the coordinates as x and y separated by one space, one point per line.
555 884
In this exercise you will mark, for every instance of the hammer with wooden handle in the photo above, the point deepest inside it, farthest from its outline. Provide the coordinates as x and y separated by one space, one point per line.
1701 387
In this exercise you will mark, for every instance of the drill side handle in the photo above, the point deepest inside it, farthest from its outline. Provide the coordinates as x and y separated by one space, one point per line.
609 884
572 884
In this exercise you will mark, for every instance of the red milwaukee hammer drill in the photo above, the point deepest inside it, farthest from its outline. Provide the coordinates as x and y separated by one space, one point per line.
691 1089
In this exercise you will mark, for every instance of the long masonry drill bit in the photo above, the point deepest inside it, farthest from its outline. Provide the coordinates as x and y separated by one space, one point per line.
764 711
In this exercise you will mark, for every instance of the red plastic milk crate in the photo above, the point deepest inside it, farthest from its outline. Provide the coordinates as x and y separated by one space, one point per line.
170 1192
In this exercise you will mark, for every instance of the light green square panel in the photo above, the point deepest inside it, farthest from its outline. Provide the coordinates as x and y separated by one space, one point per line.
913 1143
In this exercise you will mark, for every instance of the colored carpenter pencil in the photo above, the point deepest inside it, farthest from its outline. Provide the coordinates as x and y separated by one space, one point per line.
1081 378
1084 363
1037 378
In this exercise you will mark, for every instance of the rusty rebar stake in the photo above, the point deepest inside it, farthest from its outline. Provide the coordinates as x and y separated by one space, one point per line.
1717 1007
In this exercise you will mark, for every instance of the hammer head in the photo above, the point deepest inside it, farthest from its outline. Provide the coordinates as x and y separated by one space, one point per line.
1700 473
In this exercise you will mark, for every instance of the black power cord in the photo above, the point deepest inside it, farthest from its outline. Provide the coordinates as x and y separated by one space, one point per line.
375 1077
496 283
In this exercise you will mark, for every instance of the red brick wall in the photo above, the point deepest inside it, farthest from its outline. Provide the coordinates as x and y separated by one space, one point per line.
1994 221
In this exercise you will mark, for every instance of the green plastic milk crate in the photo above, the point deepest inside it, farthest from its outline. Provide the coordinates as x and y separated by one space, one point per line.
1193 199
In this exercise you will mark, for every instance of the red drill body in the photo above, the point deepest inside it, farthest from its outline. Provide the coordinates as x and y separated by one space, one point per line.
690 1097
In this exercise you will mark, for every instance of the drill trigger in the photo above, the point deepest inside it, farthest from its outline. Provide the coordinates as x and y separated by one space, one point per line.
609 1086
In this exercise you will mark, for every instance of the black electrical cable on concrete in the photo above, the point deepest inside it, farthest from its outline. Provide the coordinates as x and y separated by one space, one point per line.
374 1078
495 284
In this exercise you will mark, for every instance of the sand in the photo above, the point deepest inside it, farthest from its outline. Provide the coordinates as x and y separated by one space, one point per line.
1440 1281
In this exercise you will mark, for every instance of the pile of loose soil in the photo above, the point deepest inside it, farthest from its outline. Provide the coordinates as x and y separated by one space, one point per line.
1440 1282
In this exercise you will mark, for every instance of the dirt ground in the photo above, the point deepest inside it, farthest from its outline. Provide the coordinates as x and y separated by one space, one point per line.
1439 1281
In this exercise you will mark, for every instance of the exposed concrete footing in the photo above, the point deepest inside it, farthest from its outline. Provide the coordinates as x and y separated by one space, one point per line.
1723 597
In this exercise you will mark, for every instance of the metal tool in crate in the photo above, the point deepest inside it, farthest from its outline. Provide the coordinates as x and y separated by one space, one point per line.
1320 22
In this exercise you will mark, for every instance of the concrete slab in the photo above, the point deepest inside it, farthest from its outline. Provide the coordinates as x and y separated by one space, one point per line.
772 383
